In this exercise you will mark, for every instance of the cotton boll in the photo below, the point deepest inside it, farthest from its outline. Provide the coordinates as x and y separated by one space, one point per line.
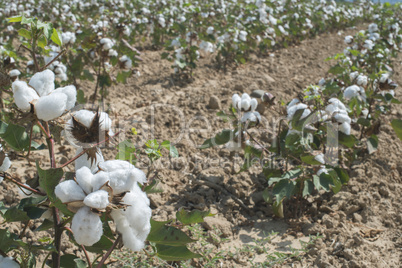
98 199
351 92
71 93
320 158
251 117
84 117
68 191
235 100
245 104
293 109
362 80
335 105
5 165
50 107
342 118
84 179
87 227
120 181
130 239
132 172
253 104
14 73
85 161
23 95
105 122
345 128
8 262
43 82
293 102
322 170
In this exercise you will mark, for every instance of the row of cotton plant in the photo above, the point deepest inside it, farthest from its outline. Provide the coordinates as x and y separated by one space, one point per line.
229 30
328 125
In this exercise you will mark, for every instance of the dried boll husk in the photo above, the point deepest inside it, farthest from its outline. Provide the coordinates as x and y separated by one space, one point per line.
91 134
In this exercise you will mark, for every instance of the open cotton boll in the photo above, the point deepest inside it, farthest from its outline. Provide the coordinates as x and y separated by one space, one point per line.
8 262
84 117
23 95
351 92
345 128
251 117
253 104
342 117
43 82
50 107
14 73
138 212
105 122
68 191
71 93
130 239
245 104
98 199
335 105
235 100
85 161
84 179
293 109
87 227
320 158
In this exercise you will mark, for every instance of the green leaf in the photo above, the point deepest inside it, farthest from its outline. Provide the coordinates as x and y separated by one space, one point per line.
172 253
122 77
347 140
25 33
15 136
7 240
308 188
364 122
47 28
372 144
81 97
102 245
288 175
284 188
15 19
172 149
42 41
167 235
397 126
48 180
71 261
14 214
277 208
221 138
309 159
127 152
336 70
342 174
46 224
56 37
324 181
192 217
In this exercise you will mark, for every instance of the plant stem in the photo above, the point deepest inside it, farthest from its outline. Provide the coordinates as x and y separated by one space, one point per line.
57 238
82 246
53 60
8 177
102 261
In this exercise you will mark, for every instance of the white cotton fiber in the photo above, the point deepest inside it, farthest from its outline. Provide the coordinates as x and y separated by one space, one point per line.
5 165
99 179
23 95
50 107
84 179
68 191
43 82
87 227
84 161
130 236
105 122
8 262
85 117
71 93
98 199
345 128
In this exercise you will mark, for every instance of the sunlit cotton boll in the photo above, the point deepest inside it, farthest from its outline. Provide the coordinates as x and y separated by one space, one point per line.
87 227
14 73
106 43
126 62
23 95
134 222
362 80
51 106
243 36
210 30
348 39
368 44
